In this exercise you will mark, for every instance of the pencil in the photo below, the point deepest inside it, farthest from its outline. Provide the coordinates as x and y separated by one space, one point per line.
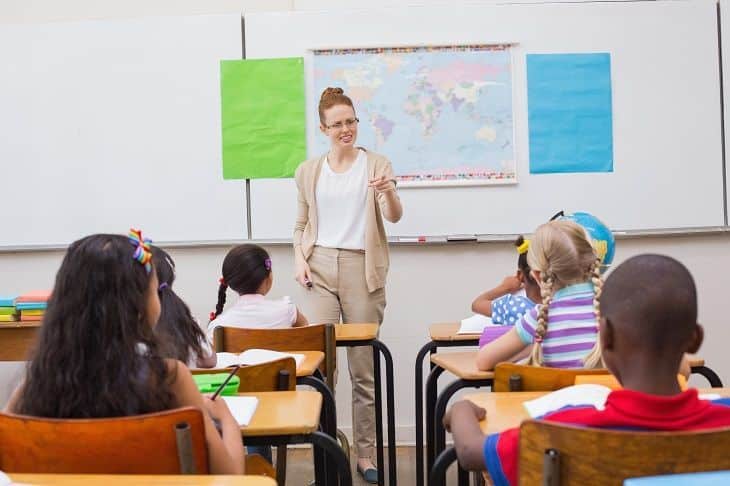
225 382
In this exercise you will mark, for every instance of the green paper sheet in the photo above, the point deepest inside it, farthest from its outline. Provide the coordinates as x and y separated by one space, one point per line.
262 117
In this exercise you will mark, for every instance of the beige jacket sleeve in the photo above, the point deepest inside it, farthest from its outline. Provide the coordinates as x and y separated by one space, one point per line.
389 201
302 209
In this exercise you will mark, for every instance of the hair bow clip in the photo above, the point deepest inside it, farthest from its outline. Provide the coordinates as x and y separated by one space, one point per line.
522 249
538 339
267 264
143 252
222 281
211 316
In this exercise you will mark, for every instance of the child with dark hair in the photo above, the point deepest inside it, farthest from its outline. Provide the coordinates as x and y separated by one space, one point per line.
178 331
648 321
247 271
504 303
97 355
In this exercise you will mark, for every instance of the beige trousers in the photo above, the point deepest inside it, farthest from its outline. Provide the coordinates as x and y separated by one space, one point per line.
340 294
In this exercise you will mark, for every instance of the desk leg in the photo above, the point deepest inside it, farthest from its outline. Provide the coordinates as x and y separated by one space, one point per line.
336 454
440 409
431 386
427 348
390 409
437 474
711 376
378 417
328 421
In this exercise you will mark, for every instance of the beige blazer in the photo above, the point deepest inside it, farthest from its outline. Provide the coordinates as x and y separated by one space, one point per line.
376 242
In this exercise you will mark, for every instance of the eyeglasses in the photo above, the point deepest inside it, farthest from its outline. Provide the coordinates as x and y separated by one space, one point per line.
349 123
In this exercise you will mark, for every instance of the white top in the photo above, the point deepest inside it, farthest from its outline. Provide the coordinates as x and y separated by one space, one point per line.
341 205
207 348
256 311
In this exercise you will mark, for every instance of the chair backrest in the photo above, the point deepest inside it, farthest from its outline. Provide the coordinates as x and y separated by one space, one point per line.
319 337
278 375
168 442
515 377
558 454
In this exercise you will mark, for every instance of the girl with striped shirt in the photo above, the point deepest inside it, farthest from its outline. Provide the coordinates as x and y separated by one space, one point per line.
561 331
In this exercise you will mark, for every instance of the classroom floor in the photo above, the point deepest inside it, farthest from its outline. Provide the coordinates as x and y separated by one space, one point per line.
300 469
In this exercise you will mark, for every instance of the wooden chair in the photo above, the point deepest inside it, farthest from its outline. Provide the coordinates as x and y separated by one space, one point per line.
515 377
169 442
320 337
558 454
278 375
258 466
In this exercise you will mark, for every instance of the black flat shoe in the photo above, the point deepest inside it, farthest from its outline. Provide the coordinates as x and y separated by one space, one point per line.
370 475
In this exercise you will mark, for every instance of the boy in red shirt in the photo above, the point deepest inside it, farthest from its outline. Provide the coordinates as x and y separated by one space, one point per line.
648 320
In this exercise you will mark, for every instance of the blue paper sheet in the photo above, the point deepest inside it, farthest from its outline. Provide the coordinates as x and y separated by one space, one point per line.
569 113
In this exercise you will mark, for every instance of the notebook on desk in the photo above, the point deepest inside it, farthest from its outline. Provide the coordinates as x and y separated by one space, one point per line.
242 408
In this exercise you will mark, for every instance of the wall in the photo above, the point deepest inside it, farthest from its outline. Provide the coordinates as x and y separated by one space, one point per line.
427 284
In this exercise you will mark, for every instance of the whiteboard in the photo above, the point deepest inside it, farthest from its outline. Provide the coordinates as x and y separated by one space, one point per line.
666 111
112 124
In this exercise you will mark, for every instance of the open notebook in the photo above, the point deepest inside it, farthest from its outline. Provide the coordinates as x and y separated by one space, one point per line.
254 357
242 408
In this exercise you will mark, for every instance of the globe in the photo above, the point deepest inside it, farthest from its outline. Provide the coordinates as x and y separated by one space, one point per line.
601 236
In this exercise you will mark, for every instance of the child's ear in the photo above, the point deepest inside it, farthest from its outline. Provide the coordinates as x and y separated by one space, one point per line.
322 129
606 332
698 335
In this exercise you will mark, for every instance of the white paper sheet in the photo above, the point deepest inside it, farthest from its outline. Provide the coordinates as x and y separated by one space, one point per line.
242 408
474 324
587 394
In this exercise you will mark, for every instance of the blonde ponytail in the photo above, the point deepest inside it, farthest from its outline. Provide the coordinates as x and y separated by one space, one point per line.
546 291
593 359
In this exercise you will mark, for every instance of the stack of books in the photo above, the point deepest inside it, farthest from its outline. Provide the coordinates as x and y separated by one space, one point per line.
8 313
32 305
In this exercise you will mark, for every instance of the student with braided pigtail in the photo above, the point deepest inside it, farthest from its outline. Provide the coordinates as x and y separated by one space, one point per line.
247 270
562 330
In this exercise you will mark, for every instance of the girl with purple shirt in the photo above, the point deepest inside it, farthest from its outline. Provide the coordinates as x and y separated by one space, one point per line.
562 331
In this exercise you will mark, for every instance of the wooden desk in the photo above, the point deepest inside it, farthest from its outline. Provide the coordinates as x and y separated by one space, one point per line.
293 417
448 331
356 332
461 364
505 409
134 480
366 334
311 362
16 339
442 334
284 413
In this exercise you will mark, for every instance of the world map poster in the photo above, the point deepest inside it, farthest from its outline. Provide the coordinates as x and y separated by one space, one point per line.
442 115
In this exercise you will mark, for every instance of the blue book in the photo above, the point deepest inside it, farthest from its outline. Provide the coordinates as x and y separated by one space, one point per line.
31 305
7 300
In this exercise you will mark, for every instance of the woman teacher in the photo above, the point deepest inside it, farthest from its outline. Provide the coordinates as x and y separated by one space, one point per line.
341 251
